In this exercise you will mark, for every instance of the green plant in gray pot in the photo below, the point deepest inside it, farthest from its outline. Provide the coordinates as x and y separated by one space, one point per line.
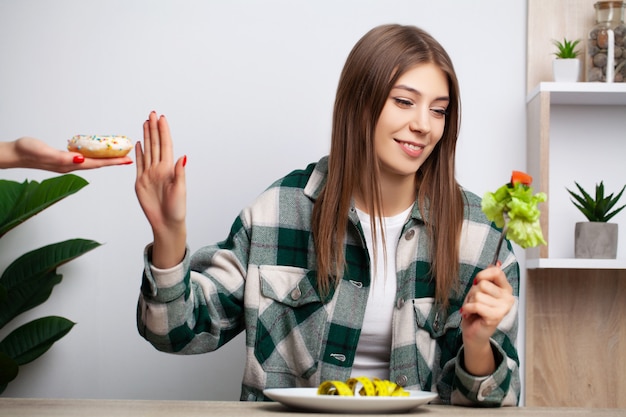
596 238
28 281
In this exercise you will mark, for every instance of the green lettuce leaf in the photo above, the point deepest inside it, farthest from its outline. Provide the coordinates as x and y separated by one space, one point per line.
519 202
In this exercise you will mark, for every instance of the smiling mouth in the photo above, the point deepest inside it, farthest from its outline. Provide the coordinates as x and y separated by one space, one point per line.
409 145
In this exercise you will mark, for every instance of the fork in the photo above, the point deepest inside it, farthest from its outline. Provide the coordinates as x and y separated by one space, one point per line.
505 214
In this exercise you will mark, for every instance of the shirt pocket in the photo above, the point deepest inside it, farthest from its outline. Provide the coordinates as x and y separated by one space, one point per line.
290 322
436 333
433 321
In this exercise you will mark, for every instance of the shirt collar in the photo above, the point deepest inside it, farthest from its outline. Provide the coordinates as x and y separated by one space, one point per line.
318 178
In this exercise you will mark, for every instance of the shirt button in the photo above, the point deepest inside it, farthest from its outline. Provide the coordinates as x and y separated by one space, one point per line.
296 294
410 234
400 303
486 389
401 380
436 323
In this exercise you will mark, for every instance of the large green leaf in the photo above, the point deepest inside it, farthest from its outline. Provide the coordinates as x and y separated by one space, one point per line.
10 192
29 280
33 339
28 294
20 201
38 290
8 370
44 259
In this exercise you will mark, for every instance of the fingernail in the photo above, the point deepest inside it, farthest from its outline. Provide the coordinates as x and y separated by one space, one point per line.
128 162
185 160
475 281
79 159
499 264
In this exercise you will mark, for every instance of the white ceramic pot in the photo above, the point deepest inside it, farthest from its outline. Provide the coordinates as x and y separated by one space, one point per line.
596 240
566 70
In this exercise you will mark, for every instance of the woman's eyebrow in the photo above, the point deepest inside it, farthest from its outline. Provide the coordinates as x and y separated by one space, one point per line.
417 92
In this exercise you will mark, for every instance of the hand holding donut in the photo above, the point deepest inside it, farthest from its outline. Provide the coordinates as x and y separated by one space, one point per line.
28 152
487 303
161 190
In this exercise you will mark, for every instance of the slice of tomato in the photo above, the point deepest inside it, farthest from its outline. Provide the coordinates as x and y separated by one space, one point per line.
519 176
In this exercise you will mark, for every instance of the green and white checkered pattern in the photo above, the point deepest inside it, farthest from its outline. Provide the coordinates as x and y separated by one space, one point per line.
262 279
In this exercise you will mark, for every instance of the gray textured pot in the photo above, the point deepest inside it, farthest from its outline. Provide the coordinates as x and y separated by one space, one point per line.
596 240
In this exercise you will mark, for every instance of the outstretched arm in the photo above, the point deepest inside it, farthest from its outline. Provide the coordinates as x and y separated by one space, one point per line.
27 152
161 190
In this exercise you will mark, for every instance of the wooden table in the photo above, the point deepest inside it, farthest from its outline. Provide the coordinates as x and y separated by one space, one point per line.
27 407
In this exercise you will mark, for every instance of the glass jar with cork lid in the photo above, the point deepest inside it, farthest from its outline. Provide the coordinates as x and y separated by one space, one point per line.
606 46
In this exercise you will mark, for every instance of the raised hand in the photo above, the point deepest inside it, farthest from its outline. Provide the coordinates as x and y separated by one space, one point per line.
161 190
487 303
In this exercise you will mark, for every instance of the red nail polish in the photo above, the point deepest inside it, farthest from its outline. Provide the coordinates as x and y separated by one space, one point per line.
128 163
79 159
475 281
185 160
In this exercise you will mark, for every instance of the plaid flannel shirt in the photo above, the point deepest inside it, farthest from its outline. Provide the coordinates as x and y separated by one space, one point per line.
262 279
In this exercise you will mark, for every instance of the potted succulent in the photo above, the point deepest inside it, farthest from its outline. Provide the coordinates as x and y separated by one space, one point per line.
566 66
596 238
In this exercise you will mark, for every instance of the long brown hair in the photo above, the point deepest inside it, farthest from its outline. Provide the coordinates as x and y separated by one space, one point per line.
372 68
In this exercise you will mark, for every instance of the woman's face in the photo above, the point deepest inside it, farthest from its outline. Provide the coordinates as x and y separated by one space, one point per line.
412 121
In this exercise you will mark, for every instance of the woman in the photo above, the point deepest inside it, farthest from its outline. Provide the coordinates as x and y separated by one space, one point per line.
372 261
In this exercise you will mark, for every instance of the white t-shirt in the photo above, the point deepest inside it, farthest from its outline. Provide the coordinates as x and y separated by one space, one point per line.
372 353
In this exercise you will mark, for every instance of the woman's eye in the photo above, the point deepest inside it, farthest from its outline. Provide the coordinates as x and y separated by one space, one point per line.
403 102
439 112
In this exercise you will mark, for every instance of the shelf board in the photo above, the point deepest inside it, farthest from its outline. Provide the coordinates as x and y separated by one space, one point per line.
575 263
583 93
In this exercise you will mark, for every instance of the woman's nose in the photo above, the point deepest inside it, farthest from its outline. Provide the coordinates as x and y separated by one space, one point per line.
420 121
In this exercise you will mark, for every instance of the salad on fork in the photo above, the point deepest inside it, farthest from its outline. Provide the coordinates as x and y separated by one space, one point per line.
514 208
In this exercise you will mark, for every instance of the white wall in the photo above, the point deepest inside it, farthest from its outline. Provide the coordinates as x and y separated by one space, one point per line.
248 88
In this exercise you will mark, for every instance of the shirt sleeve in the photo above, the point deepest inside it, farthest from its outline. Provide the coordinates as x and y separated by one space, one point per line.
502 387
493 390
160 284
197 305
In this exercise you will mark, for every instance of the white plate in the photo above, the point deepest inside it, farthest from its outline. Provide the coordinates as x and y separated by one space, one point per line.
308 399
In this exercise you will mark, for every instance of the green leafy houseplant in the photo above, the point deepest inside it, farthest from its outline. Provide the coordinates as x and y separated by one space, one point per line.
566 49
566 66
28 281
596 209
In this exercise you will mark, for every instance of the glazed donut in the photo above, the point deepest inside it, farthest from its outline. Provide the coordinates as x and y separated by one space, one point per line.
96 146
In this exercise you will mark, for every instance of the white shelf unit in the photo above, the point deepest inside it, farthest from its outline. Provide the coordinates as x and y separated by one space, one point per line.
608 94
576 132
573 263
